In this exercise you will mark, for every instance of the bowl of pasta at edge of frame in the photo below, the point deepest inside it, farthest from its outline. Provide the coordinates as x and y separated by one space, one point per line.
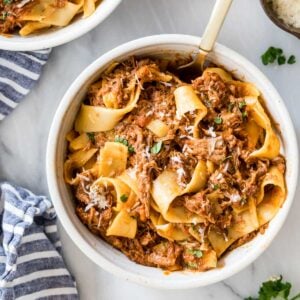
61 25
100 252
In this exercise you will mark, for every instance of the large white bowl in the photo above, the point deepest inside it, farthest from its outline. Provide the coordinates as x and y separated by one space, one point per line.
58 36
102 253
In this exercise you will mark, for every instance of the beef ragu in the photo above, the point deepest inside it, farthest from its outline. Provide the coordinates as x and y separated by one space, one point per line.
174 174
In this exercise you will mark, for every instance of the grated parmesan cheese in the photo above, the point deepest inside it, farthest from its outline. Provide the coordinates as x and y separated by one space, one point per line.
146 152
235 198
211 132
176 159
22 3
180 172
288 11
97 199
189 129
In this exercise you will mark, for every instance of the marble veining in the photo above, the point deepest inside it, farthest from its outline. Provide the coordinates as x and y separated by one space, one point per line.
23 135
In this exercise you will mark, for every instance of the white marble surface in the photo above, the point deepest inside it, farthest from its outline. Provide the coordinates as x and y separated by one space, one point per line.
23 135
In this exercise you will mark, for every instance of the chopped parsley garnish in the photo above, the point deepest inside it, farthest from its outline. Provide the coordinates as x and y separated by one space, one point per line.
91 136
218 120
124 198
7 2
270 55
275 289
156 148
4 15
130 148
244 114
281 60
242 104
215 187
123 141
195 252
291 60
192 265
276 54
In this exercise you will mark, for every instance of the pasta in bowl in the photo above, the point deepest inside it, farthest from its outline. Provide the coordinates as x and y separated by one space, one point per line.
177 175
39 24
170 173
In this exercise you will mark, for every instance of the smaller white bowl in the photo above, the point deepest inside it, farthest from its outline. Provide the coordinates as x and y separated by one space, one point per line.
102 253
58 36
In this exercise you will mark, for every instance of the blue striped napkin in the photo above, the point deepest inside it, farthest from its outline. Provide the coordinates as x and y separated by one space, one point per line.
18 73
31 266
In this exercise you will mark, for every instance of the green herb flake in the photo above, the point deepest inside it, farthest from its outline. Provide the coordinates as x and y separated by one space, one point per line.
195 252
218 120
131 149
91 136
4 15
281 60
6 2
192 265
244 114
123 141
291 60
271 55
156 148
215 187
124 198
275 289
242 104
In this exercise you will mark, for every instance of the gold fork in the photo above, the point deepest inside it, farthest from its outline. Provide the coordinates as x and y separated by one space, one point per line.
196 66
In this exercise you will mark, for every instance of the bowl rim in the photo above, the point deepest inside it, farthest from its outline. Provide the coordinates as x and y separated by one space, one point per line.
70 228
277 21
61 35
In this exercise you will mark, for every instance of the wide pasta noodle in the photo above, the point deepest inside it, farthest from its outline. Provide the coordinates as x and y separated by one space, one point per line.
112 159
187 101
97 118
243 224
77 160
271 145
269 202
122 224
165 189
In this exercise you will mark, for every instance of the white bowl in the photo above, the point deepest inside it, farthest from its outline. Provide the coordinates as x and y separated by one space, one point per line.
102 253
58 36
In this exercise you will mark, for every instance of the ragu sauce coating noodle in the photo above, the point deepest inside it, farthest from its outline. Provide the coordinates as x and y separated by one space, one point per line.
30 16
174 174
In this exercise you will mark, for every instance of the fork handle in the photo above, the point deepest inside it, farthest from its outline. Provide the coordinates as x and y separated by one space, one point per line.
214 25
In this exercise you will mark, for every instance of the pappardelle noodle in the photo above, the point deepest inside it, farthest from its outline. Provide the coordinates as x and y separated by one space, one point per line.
30 16
174 174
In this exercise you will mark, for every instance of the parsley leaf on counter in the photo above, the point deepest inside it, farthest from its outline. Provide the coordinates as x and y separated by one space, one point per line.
291 60
281 60
275 289
276 54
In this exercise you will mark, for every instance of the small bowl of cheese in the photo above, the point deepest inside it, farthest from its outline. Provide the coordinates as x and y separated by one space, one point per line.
284 13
